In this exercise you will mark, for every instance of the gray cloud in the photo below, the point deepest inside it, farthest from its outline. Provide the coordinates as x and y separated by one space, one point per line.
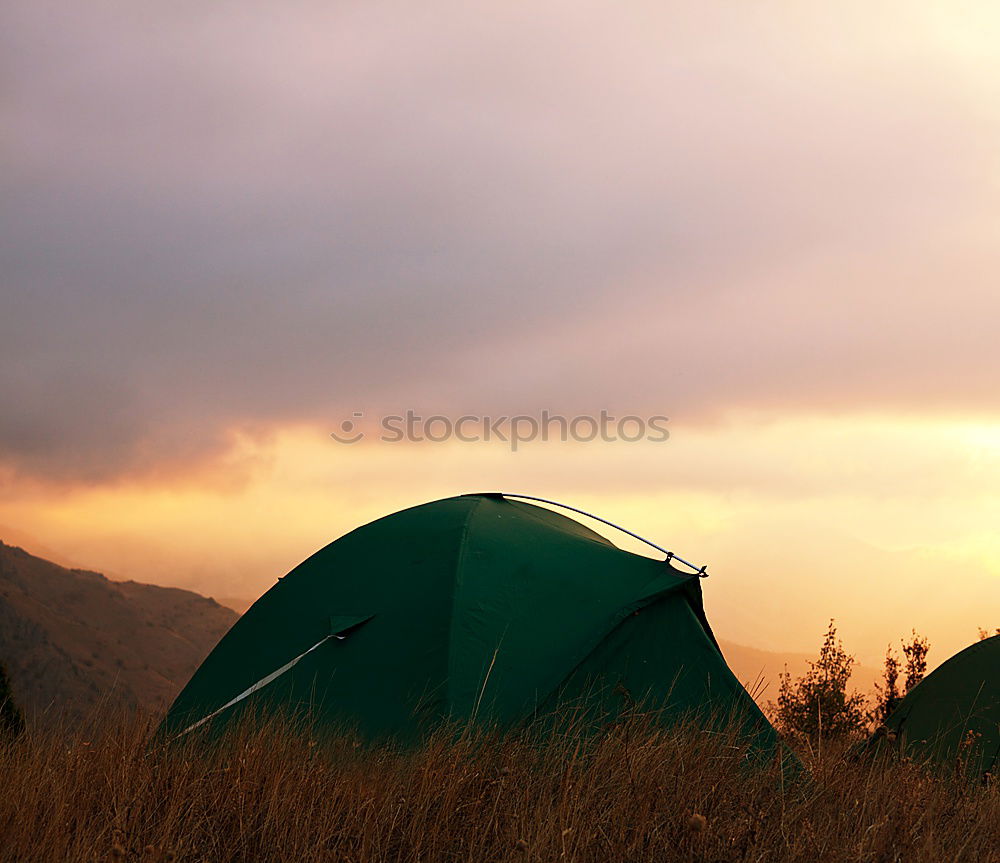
243 213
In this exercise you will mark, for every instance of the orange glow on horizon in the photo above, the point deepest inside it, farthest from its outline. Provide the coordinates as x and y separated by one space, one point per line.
881 522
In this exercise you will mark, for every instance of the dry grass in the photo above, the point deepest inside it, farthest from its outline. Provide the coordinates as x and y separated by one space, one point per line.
272 794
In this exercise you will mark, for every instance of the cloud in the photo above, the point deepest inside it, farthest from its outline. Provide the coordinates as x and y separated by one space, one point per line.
241 215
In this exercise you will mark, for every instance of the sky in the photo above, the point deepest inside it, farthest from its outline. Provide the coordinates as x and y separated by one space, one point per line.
226 228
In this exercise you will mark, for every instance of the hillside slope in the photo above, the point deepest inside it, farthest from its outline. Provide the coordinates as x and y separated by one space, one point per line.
71 638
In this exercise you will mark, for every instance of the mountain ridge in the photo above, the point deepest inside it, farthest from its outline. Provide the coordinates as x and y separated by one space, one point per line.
73 639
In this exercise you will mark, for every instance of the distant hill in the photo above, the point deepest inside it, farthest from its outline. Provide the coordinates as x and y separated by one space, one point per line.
33 545
750 664
71 638
237 604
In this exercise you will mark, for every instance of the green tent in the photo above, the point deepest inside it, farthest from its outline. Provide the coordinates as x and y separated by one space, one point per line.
475 607
953 715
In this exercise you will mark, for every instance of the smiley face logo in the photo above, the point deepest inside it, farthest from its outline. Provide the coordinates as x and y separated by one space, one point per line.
348 433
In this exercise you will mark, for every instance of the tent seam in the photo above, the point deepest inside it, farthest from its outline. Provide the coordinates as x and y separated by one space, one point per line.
459 566
527 508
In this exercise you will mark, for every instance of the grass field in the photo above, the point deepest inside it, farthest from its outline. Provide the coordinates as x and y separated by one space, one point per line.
270 793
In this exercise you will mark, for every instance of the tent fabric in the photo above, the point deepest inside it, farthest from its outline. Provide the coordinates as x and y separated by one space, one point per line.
953 715
470 608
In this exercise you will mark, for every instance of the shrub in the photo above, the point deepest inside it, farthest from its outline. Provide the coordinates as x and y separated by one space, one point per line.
817 706
887 693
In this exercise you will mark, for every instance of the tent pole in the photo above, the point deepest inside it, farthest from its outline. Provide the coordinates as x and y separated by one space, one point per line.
701 572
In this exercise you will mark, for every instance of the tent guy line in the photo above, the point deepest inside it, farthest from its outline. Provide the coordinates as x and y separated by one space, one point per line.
260 684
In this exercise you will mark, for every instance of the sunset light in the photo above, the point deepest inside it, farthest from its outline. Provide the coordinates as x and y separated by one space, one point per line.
722 274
